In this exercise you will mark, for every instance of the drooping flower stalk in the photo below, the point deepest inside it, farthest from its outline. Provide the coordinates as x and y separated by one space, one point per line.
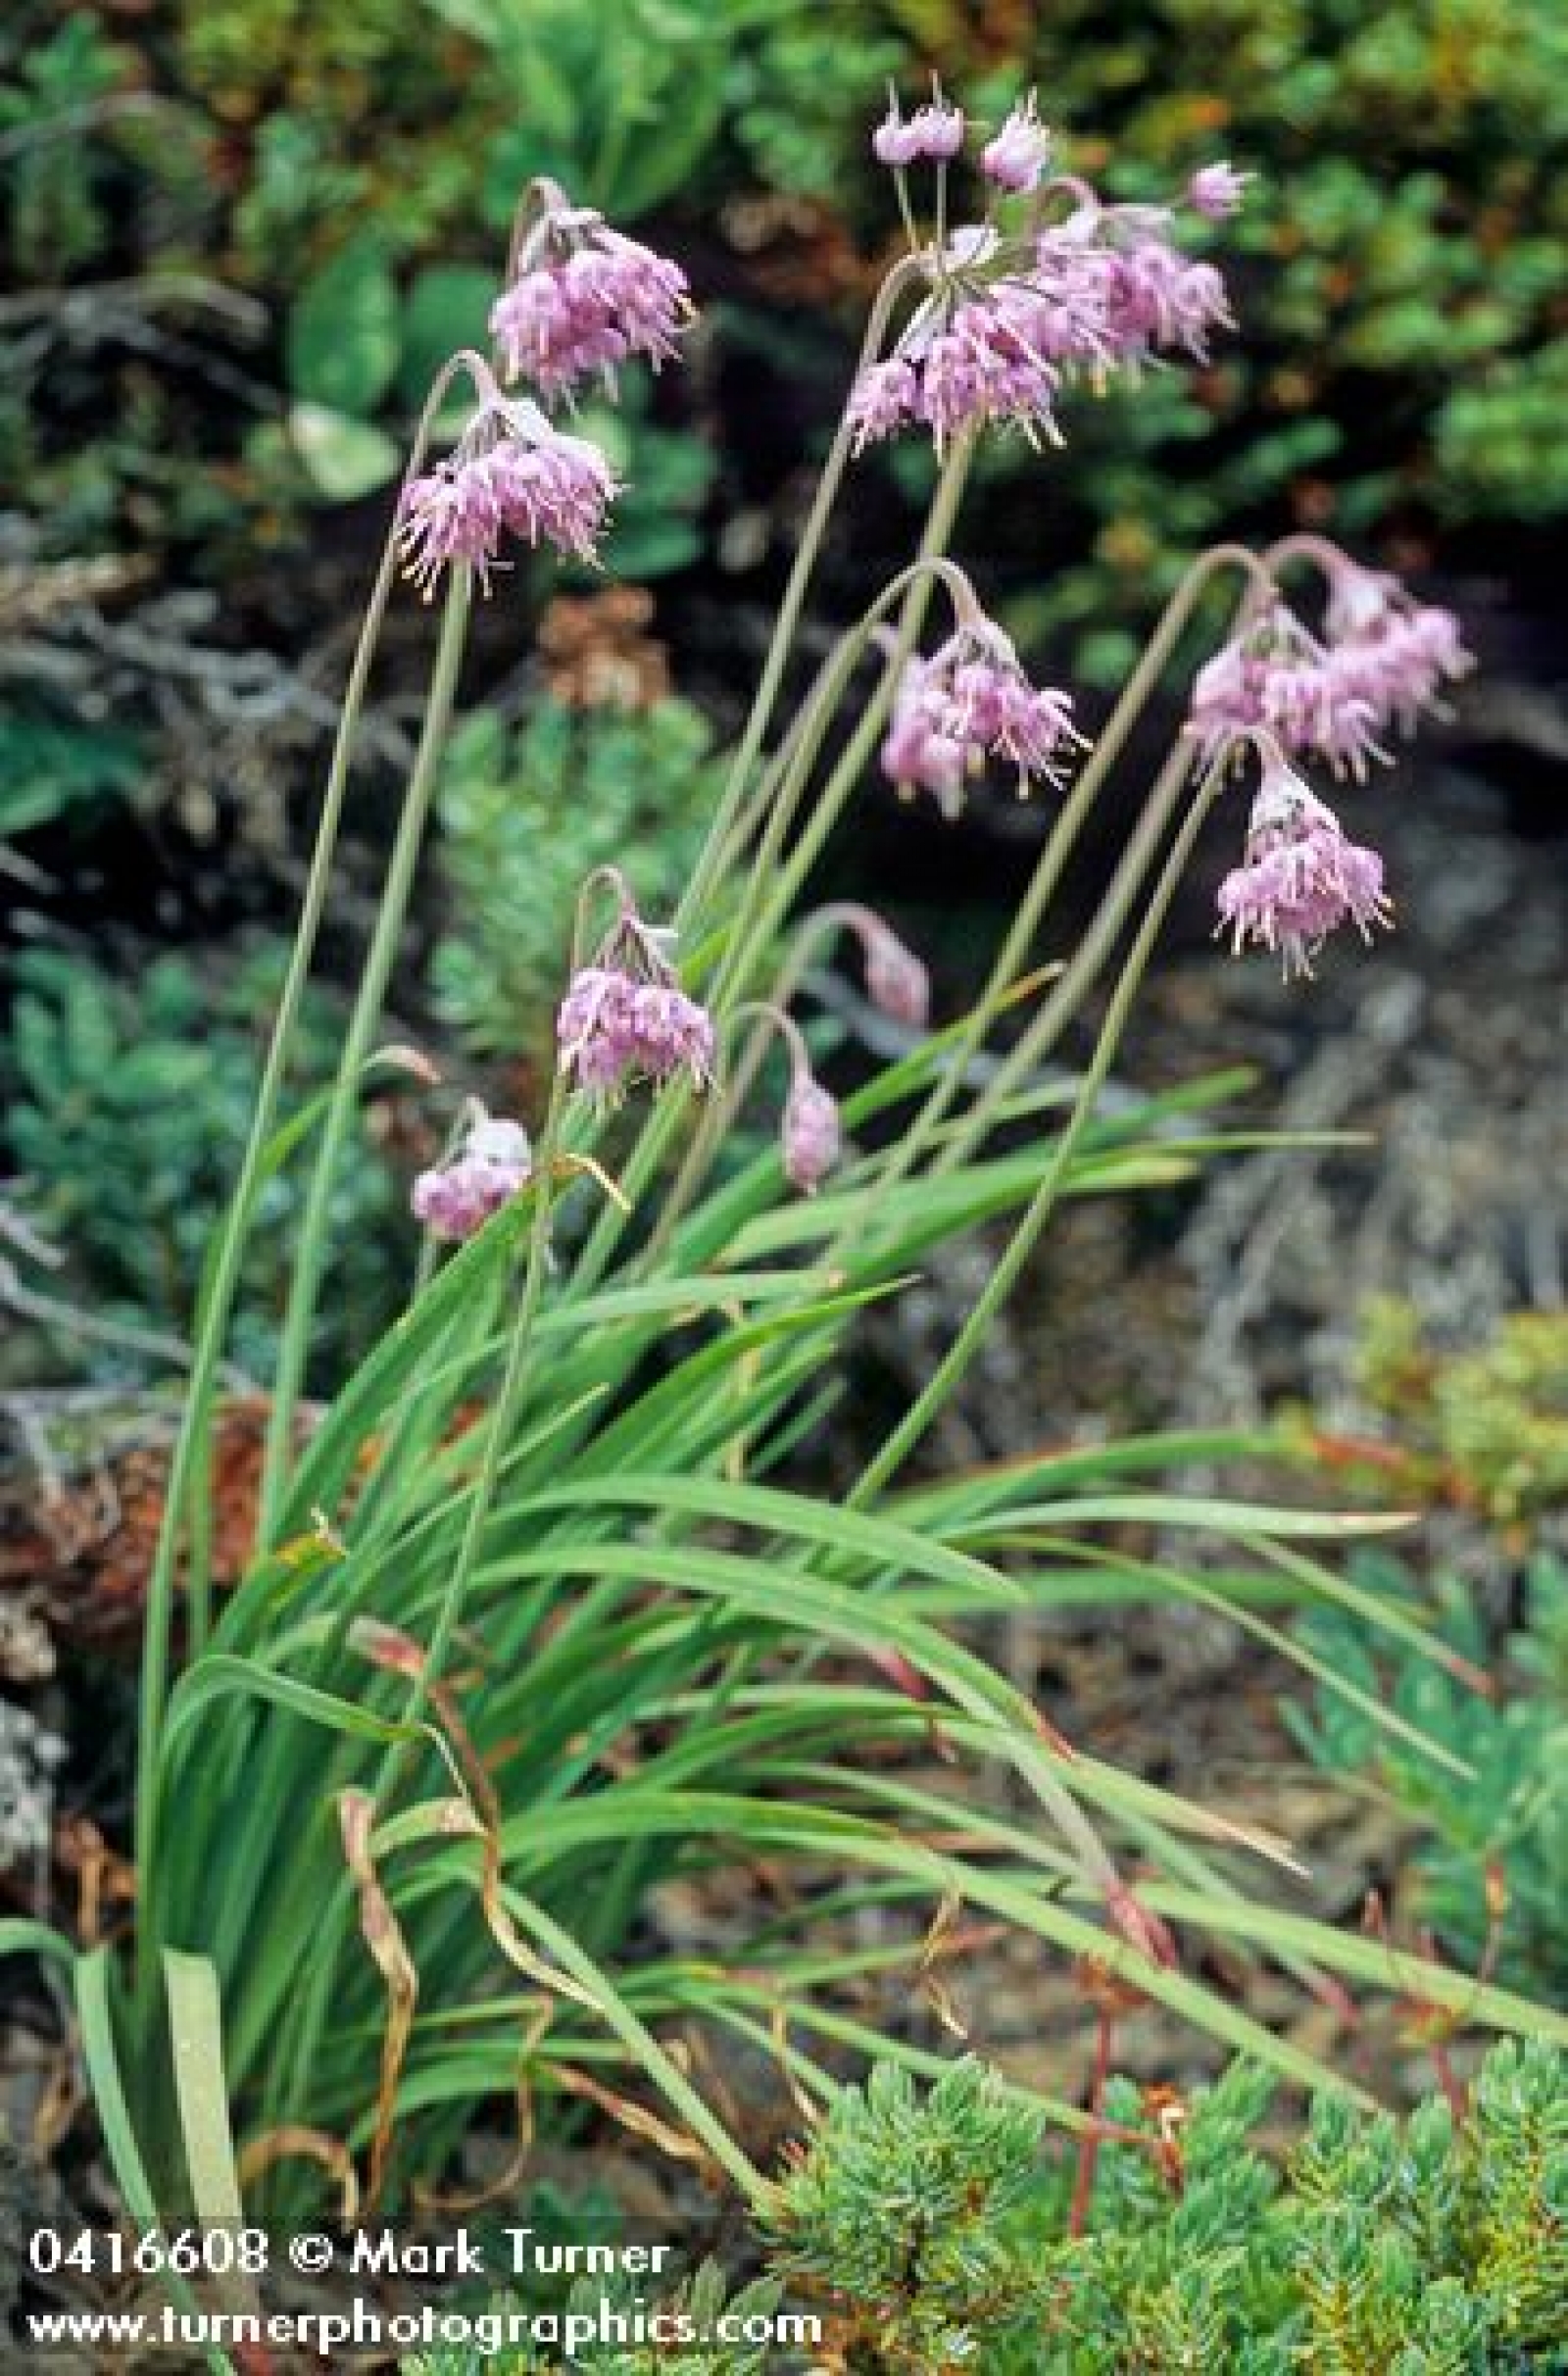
898 985
919 1133
512 470
897 982
189 1455
727 847
779 865
750 824
1044 1028
772 882
370 998
810 1130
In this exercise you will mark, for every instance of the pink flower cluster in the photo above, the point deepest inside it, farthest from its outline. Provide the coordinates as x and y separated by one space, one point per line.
968 700
984 360
1301 878
1013 159
811 1135
1398 653
1274 677
511 474
585 298
1383 660
458 1197
1009 320
624 1018
932 135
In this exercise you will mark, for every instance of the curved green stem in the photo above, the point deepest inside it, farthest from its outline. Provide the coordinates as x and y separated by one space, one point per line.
1052 1018
391 913
657 1134
770 888
955 1362
792 602
189 1453
1053 858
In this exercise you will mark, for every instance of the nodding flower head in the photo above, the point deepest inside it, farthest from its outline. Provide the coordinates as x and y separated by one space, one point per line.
492 1163
976 352
811 1135
932 135
1397 653
1017 158
625 1018
1300 878
1156 299
1007 322
584 298
512 473
1276 677
971 700
886 397
1218 190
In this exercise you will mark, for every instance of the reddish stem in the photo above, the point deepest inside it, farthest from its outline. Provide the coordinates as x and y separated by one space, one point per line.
1089 2148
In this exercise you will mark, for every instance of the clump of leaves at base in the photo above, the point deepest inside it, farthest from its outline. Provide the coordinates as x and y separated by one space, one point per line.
1433 2247
898 2214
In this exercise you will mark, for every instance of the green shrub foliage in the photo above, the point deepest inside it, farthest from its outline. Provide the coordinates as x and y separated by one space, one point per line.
601 782
126 1101
1399 269
1429 2247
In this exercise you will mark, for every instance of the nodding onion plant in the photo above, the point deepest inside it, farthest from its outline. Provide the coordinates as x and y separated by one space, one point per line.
543 1610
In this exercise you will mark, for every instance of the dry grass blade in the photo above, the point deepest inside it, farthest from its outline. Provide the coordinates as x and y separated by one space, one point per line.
634 2116
299 2144
382 1936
